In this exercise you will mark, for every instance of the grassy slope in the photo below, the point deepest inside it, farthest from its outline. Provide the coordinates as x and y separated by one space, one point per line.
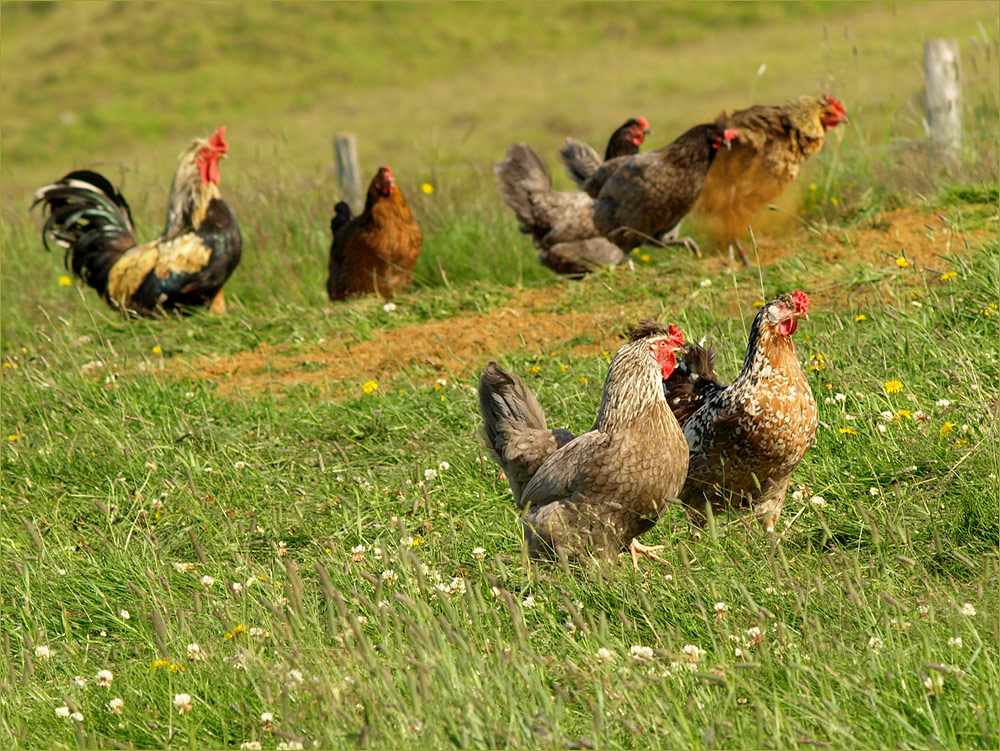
910 519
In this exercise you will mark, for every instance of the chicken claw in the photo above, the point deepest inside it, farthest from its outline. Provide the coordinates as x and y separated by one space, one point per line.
637 549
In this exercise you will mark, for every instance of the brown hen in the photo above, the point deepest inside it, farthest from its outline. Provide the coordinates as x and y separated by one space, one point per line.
376 250
746 439
593 493
773 143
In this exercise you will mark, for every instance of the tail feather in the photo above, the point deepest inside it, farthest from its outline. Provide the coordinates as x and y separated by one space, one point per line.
580 160
341 216
88 217
514 431
692 382
522 179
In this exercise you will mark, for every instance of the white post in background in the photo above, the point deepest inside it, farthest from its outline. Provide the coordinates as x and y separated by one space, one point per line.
345 150
944 98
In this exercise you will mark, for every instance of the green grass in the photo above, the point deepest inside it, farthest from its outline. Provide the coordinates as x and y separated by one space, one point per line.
112 476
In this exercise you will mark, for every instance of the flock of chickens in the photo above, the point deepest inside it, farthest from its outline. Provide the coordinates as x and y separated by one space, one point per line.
665 428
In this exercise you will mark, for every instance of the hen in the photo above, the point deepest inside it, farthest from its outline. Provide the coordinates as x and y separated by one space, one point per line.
643 197
562 224
593 493
773 143
376 250
185 266
746 439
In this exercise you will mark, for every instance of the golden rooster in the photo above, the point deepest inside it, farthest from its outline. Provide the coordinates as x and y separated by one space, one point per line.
773 143
185 266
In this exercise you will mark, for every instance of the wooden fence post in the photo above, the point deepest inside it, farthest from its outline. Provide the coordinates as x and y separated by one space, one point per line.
345 149
944 97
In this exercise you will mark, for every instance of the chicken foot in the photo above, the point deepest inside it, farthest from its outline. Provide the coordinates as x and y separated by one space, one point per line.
637 550
743 253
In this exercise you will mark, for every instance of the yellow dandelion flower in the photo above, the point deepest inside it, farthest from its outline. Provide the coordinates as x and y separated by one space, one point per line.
947 428
948 275
986 312
534 369
812 187
176 667
564 368
418 540
157 350
860 317
634 251
157 664
369 387
582 379
238 631
13 437
817 362
65 281
962 442
902 414
834 201
442 398
644 258
902 262
7 365
758 303
848 431
893 386
427 188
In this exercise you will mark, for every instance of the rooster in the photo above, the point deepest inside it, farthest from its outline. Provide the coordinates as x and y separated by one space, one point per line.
185 266
562 224
376 250
746 439
774 141
643 197
595 492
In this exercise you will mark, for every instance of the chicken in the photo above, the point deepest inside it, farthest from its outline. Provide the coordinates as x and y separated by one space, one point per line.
643 197
185 266
561 224
773 143
746 439
596 492
376 250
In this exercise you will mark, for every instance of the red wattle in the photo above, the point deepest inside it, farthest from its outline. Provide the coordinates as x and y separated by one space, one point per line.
788 326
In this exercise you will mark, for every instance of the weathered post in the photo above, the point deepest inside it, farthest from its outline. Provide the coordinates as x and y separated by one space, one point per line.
345 149
944 98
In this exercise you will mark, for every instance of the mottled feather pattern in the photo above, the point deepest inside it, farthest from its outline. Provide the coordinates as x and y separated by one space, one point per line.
746 440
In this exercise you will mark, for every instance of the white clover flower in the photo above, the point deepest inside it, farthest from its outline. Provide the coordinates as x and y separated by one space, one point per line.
207 581
442 382
818 501
887 415
293 745
457 586
528 602
605 655
756 637
840 397
964 429
259 633
738 651
239 465
797 496
267 720
183 568
873 491
124 614
444 467
80 681
639 653
924 611
182 702
250 746
389 307
42 652
362 620
377 552
295 676
705 283
194 653
875 644
956 642
62 711
104 678
720 610
934 685
282 549
496 592
382 604
942 404
116 705
430 474
389 576
237 587
967 609
881 428
479 554
770 591
693 651
78 716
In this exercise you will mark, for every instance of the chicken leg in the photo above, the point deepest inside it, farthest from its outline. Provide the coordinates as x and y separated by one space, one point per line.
743 253
637 550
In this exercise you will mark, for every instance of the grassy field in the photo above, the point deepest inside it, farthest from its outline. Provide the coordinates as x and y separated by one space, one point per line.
218 508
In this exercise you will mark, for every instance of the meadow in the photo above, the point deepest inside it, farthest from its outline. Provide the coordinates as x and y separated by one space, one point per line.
275 529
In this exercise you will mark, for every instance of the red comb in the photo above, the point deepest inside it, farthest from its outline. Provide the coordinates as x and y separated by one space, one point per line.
835 104
676 336
643 123
218 140
801 300
729 134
